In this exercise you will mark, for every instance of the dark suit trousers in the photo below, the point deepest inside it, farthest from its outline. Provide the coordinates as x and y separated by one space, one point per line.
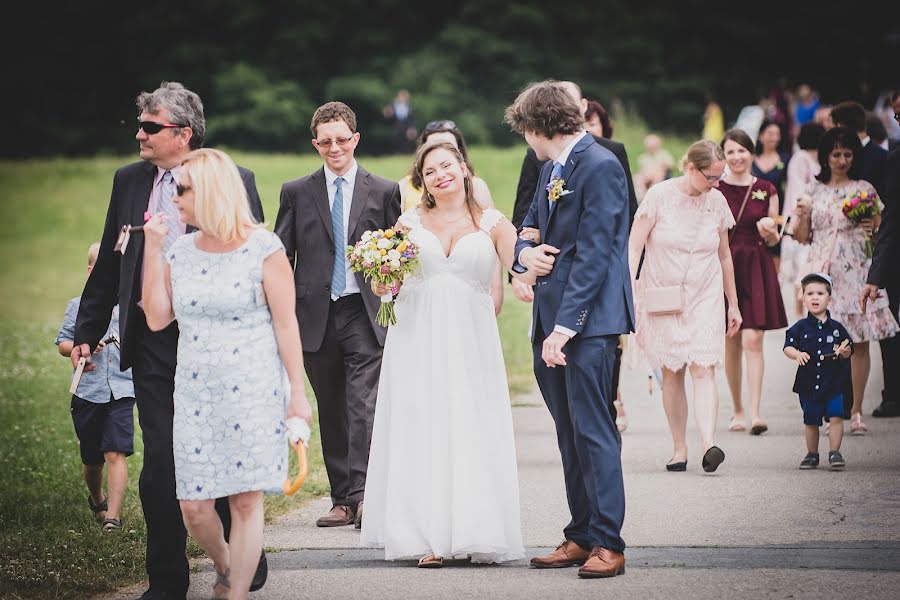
154 387
578 398
890 353
344 376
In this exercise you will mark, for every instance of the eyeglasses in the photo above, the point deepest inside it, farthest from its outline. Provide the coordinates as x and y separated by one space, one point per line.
341 141
711 178
181 190
151 127
440 125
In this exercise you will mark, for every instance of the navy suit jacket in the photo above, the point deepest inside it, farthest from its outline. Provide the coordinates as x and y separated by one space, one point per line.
589 288
874 167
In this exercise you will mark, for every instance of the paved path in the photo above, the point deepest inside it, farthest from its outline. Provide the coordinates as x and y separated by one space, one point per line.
757 528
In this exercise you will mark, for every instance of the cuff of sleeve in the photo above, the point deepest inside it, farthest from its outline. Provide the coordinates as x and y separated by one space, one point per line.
517 266
565 331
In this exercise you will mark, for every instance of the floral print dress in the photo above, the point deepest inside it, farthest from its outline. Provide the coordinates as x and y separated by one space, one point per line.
849 264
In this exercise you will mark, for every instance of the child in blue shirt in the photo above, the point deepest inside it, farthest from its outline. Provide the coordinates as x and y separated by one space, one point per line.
103 414
822 347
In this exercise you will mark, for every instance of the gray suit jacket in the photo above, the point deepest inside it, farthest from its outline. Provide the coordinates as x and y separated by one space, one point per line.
304 226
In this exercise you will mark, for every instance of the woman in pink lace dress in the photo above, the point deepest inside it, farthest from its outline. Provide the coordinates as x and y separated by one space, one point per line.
838 247
683 224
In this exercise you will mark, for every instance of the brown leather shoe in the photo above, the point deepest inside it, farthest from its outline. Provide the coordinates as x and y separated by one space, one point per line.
603 562
338 516
567 554
359 510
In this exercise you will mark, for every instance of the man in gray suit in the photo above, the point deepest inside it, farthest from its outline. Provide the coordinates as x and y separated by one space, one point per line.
320 215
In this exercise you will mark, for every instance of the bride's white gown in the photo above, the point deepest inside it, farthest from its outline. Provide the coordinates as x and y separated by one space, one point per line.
442 468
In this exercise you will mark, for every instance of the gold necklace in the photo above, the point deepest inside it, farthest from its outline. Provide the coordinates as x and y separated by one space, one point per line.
451 221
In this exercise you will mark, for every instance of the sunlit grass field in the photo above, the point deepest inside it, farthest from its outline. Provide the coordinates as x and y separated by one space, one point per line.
52 210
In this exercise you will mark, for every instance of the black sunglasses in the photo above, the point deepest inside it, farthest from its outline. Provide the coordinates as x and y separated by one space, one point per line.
440 125
151 127
182 189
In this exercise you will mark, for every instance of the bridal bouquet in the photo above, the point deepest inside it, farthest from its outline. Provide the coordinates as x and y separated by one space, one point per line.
859 206
386 256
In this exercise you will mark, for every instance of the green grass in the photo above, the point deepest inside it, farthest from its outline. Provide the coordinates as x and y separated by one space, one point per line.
52 210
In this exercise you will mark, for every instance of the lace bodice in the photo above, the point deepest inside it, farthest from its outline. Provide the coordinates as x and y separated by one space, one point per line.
472 259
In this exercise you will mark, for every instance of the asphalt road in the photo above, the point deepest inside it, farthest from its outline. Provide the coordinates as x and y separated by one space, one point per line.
758 528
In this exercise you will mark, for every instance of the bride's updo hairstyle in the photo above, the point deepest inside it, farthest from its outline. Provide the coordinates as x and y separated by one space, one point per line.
702 155
428 202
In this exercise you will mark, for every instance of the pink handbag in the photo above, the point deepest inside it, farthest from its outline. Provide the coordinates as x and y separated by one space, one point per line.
664 300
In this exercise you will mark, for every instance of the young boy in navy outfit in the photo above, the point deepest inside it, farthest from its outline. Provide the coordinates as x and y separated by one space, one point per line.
822 347
103 414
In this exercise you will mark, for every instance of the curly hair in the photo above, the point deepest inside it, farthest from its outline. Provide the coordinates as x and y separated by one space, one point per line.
544 109
330 112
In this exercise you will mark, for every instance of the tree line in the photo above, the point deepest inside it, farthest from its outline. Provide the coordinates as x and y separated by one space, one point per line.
262 67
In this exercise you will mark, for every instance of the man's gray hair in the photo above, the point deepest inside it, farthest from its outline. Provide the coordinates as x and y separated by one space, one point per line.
183 105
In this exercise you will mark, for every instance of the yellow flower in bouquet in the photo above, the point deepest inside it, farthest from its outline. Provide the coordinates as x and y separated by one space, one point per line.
386 256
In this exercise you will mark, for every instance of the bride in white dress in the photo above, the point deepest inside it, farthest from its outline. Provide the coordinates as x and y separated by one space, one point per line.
442 479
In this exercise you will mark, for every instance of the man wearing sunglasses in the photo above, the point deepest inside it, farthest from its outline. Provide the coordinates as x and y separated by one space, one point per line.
320 215
170 126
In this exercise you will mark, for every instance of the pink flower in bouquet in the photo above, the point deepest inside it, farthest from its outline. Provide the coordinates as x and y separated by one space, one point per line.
861 206
386 256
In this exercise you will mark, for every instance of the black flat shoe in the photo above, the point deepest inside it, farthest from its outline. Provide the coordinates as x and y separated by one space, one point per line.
677 466
712 459
887 410
261 574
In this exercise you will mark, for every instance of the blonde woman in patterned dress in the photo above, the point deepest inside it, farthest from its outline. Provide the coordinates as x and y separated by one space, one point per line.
683 225
839 244
231 288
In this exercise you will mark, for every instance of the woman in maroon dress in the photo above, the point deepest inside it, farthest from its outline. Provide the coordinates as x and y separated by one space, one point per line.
759 294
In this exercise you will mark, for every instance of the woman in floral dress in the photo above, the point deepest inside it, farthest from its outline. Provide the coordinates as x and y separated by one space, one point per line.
838 246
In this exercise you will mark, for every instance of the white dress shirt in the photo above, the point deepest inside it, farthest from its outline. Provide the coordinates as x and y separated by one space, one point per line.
351 286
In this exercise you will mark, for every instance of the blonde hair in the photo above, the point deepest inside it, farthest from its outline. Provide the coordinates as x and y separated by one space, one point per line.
702 154
220 199
93 253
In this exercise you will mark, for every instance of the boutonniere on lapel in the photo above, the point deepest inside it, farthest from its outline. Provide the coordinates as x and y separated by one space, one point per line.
556 189
760 195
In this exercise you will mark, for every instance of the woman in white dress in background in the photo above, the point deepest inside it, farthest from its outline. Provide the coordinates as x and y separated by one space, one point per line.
442 479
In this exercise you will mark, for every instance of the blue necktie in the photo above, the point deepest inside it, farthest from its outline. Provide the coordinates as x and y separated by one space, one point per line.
167 207
555 173
339 272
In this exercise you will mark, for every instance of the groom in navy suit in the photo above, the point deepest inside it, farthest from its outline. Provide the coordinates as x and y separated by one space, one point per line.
582 304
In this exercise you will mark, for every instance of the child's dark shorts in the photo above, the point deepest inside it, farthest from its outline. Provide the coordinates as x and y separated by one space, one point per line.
103 428
815 410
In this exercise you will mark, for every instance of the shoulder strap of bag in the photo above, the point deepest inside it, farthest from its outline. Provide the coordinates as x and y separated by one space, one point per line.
696 237
741 211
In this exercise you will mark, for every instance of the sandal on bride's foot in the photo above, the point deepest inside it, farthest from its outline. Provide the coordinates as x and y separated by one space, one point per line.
222 579
857 427
431 562
758 427
736 424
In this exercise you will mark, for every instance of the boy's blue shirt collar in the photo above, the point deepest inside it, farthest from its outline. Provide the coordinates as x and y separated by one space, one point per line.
813 319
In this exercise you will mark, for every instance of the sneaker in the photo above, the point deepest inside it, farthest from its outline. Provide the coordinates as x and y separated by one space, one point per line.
810 461
836 461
